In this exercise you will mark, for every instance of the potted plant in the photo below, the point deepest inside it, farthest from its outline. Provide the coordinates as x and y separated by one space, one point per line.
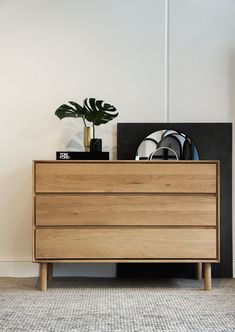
93 110
98 112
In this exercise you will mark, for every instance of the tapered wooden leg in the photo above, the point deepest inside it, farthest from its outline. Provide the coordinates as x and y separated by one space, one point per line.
199 271
49 271
207 277
43 276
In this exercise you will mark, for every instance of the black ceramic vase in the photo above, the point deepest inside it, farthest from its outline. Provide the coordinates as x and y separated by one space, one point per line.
96 145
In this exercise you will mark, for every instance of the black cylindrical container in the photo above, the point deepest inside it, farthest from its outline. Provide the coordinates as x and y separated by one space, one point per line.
96 145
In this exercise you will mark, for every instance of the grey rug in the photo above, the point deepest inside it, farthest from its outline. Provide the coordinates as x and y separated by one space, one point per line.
93 305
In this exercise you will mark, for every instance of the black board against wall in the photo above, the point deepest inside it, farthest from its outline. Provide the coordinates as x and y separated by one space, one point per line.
214 142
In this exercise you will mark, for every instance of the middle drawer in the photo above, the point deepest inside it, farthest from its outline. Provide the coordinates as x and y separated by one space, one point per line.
125 209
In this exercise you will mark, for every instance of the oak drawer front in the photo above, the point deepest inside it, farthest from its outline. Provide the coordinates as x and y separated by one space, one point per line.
142 243
125 209
151 177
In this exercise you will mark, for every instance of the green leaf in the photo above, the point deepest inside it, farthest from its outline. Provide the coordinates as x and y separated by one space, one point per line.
67 111
92 102
98 112
99 104
80 110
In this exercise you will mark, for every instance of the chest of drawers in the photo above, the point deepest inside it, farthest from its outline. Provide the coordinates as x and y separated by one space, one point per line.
125 211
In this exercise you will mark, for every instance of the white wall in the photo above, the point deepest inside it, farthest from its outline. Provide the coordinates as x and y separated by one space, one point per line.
55 51
202 64
202 56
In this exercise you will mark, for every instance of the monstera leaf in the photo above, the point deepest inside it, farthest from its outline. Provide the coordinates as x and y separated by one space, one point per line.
68 111
95 111
98 112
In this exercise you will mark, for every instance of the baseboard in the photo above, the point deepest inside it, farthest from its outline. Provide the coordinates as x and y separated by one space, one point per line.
29 269
18 269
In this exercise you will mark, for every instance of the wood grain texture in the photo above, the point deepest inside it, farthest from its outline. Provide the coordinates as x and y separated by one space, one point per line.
33 209
218 202
43 276
207 276
125 209
125 260
143 243
135 177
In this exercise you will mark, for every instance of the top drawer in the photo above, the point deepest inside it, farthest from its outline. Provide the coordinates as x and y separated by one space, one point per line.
132 177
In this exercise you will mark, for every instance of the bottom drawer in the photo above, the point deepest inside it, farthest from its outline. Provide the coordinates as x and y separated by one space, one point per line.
123 243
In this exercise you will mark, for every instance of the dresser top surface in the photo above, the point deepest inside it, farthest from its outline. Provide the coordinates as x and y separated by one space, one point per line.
131 161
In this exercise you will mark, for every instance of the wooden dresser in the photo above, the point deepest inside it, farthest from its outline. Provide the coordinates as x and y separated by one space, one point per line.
126 211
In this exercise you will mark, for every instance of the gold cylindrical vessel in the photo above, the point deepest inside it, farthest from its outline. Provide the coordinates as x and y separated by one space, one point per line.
88 135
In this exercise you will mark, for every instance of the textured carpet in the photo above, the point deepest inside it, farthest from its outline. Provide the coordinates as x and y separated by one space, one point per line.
107 305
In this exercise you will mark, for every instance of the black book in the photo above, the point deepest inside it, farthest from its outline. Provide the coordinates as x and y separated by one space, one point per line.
75 155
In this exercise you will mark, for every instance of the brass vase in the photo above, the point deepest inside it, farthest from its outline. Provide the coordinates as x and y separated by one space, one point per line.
88 135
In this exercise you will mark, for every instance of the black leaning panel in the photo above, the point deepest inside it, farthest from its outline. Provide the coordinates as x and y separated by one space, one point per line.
214 142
